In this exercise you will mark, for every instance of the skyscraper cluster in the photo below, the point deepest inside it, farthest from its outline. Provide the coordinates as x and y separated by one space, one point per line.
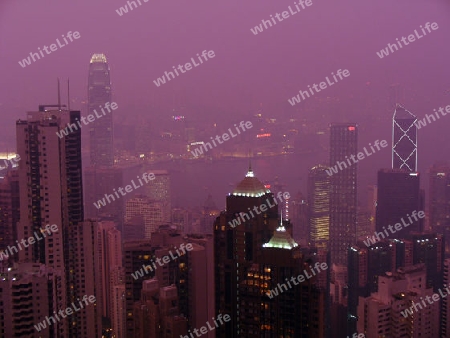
254 262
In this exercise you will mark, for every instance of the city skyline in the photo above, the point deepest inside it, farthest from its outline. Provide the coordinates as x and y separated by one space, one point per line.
224 169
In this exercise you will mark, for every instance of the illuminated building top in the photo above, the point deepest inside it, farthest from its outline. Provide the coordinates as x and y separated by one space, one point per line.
250 186
98 58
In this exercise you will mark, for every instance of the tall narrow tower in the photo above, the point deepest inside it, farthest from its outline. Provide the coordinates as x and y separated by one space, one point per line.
101 130
319 206
404 140
343 144
50 188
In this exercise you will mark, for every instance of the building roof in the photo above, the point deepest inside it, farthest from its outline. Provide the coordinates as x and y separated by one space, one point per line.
250 186
281 239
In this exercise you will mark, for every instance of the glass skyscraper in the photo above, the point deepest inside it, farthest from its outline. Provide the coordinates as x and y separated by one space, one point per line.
343 144
101 130
319 206
404 140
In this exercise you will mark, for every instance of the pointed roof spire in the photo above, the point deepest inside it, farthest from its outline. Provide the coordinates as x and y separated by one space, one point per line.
250 186
281 238
250 170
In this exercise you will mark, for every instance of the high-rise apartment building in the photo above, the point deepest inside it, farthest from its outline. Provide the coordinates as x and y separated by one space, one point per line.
385 314
87 280
404 140
101 130
343 144
50 188
24 308
398 196
111 275
9 209
319 206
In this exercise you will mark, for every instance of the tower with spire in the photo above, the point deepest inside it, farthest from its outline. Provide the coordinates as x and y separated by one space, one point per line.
254 254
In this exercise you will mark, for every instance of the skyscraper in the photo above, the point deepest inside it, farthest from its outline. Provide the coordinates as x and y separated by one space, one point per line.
343 144
319 205
404 140
439 202
252 258
398 197
9 208
439 196
101 130
50 188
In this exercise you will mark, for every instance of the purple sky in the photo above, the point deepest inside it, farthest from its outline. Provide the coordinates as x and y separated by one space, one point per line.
248 70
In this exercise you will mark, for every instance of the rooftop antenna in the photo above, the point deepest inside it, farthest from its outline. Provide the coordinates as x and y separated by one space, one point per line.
59 96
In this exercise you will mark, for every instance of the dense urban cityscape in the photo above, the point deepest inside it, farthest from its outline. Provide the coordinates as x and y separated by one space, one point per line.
251 179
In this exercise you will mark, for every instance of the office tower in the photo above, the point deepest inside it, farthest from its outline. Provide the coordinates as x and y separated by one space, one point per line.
404 140
158 189
252 258
50 188
365 264
381 313
152 212
319 206
428 248
101 184
439 202
101 130
439 196
398 197
343 144
9 209
23 288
